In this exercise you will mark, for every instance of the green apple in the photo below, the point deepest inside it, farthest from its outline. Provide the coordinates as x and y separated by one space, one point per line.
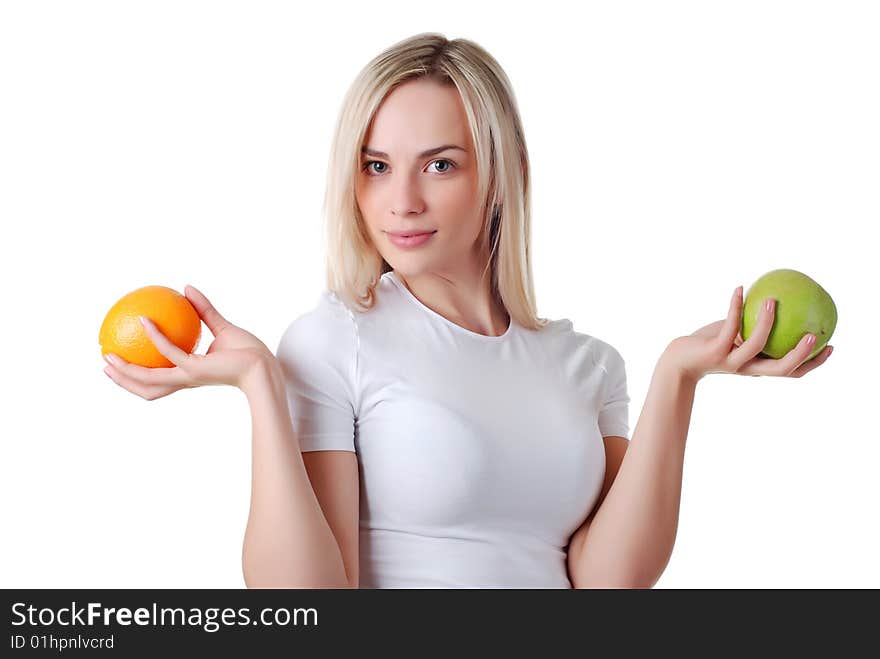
802 307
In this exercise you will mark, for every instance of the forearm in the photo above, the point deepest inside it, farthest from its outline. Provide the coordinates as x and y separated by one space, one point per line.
288 542
631 536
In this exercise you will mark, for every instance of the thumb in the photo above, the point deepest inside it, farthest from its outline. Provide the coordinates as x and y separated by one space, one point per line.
215 322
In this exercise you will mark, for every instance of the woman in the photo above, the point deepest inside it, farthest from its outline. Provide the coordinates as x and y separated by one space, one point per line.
421 426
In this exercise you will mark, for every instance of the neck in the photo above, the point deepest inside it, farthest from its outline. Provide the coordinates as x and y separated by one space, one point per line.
462 296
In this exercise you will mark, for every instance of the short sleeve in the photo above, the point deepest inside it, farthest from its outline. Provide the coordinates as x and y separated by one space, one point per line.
318 356
614 412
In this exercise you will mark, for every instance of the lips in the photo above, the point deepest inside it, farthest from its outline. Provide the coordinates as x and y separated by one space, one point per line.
411 240
408 234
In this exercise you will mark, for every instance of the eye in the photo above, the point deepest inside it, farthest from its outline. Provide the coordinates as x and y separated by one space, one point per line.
449 165
445 170
372 162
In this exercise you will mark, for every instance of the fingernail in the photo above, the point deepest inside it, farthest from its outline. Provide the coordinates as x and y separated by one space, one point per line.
811 339
143 320
110 359
768 305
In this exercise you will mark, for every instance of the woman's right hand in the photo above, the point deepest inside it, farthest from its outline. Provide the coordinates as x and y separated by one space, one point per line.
231 358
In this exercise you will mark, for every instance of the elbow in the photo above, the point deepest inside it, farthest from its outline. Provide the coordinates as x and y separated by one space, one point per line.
254 578
614 583
613 576
636 583
250 583
632 572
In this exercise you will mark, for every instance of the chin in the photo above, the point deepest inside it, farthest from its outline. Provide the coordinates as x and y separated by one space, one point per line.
407 270
404 269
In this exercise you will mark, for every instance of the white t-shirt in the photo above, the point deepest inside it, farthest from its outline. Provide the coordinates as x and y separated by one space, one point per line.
479 456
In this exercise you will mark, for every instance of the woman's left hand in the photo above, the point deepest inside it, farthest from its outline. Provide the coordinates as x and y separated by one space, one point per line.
719 348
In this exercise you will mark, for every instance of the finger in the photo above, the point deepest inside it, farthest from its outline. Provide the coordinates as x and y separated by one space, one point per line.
756 367
756 341
768 366
163 344
144 391
815 362
215 322
794 358
730 328
147 376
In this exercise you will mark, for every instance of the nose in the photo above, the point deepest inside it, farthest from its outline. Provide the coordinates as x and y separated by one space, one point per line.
406 196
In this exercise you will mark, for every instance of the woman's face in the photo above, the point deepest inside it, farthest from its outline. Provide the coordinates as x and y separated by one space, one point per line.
400 188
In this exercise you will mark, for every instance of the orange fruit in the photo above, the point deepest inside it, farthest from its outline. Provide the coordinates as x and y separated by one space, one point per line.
122 333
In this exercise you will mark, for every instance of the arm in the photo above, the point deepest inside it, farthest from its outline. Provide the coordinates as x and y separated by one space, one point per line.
615 449
628 540
288 541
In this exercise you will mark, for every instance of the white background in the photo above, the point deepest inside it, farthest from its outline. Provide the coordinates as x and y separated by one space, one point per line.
678 150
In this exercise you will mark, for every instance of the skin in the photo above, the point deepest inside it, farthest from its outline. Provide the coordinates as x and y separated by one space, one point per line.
406 191
719 348
628 538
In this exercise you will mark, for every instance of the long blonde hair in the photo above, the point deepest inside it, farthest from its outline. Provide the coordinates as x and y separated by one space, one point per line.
354 265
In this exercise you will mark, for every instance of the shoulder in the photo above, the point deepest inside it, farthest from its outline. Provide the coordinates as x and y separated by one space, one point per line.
328 328
601 352
609 357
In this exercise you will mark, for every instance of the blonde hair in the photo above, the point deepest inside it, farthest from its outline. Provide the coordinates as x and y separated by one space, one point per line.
354 265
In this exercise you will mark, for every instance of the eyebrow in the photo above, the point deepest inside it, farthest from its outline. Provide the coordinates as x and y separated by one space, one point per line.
424 154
